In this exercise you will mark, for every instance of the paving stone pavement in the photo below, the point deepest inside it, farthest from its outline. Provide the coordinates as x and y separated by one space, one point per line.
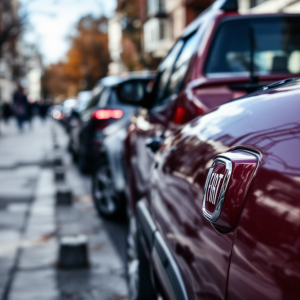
31 224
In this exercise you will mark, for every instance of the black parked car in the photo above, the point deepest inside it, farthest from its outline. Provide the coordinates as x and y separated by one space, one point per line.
103 109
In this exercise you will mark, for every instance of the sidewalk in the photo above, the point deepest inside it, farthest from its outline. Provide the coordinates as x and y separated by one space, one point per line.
31 224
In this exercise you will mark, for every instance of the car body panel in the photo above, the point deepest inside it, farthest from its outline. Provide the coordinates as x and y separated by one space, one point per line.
200 93
259 258
112 146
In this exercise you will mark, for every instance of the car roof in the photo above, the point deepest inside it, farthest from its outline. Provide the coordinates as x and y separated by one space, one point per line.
193 26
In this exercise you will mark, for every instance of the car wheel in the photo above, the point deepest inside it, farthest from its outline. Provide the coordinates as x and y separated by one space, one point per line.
108 201
138 271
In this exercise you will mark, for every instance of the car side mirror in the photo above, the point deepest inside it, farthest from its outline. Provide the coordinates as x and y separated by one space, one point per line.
133 91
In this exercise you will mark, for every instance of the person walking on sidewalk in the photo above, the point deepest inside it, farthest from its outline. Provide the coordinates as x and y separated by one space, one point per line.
20 107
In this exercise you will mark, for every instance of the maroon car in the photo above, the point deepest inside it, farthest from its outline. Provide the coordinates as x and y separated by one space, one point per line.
222 218
219 57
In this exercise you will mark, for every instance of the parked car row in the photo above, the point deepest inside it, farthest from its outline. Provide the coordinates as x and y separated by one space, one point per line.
202 159
103 110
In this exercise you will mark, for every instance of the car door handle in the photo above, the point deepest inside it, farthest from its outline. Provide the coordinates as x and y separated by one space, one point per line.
226 187
154 143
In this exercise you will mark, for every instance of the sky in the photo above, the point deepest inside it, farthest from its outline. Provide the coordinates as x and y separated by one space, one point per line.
52 21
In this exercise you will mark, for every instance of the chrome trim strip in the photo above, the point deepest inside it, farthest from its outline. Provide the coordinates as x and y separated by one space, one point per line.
216 214
161 256
258 157
250 152
167 268
146 223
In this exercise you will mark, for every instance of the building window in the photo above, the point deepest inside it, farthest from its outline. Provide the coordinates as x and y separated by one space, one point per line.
161 4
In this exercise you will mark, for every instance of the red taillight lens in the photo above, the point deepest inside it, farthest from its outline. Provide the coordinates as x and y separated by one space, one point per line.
116 114
105 114
179 115
182 116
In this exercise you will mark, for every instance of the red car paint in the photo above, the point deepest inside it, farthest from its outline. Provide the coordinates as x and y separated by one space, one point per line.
259 257
252 250
200 93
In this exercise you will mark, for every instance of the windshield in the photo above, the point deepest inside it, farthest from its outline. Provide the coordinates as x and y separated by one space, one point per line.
276 46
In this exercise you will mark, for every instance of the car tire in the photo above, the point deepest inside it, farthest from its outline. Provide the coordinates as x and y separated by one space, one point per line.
70 148
138 270
109 202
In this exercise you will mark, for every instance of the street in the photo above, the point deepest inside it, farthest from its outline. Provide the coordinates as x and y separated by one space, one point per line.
31 224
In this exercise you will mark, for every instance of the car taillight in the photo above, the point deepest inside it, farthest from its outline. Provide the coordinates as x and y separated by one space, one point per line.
105 114
179 115
57 115
182 116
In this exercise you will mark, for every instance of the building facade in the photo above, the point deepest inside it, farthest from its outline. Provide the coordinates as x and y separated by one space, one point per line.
165 22
116 65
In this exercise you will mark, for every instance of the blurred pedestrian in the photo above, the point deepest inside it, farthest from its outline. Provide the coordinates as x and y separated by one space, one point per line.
20 106
43 110
6 111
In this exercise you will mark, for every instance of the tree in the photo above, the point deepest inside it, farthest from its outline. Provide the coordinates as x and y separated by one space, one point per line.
134 14
86 61
11 24
131 35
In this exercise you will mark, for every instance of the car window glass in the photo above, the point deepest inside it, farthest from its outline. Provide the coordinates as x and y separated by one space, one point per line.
165 70
181 65
103 100
95 97
276 46
93 102
113 98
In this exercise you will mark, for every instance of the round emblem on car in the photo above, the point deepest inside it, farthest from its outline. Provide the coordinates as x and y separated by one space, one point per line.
215 188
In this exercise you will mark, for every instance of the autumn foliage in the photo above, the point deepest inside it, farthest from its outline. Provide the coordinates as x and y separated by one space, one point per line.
86 61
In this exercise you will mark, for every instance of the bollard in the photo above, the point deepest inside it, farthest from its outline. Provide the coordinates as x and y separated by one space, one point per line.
73 252
63 196
59 174
56 146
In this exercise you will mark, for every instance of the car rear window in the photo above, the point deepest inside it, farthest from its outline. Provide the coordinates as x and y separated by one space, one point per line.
104 97
276 46
96 93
